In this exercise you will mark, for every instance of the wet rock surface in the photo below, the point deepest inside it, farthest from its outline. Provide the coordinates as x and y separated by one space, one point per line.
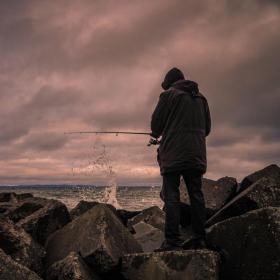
72 267
263 193
252 243
244 230
98 235
11 270
149 237
43 222
270 171
125 215
15 242
153 216
84 206
176 265
81 208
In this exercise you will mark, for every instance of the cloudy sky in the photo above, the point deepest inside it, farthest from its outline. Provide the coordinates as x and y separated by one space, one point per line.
83 65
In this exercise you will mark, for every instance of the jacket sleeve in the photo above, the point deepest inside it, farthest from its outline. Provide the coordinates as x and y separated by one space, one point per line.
160 116
208 119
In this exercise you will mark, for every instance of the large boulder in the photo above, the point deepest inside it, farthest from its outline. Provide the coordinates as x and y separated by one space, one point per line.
98 235
148 237
216 193
14 197
43 222
8 197
175 265
126 215
81 208
263 193
11 270
15 242
25 209
153 216
7 202
72 267
271 171
252 243
84 206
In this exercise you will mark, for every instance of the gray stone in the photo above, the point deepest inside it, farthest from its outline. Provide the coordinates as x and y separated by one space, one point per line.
98 235
43 222
252 242
15 242
263 193
175 265
153 216
216 193
11 270
271 171
25 209
72 267
148 237
81 208
7 197
125 215
84 206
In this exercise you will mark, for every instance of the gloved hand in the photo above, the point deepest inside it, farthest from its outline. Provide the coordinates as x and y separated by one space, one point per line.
153 141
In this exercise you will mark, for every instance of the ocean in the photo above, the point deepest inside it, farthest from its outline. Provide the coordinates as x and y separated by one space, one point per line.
122 197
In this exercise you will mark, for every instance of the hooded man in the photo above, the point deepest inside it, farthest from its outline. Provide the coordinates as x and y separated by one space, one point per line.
182 119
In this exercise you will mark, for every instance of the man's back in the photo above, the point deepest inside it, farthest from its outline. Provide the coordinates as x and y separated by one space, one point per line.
182 117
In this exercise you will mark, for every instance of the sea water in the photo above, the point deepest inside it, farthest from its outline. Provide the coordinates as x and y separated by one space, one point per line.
98 161
127 197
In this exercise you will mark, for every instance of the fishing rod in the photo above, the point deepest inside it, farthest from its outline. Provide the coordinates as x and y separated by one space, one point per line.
108 132
151 142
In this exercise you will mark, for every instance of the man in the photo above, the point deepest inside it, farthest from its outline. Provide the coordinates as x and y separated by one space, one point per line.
182 119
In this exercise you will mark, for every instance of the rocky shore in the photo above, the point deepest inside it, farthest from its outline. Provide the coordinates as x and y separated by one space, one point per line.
41 239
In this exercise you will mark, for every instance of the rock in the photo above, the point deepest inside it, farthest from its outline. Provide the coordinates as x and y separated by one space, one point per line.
11 270
21 205
15 242
13 197
25 209
148 237
98 235
7 197
252 242
23 196
175 265
125 215
72 267
216 194
81 208
271 171
153 216
43 222
84 206
263 193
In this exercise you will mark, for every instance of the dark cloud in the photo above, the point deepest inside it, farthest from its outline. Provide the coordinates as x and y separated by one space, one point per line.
99 64
45 141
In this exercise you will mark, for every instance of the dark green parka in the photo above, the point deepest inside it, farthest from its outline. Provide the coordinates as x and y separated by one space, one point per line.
182 118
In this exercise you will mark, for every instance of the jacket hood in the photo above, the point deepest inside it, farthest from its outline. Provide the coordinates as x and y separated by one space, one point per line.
187 86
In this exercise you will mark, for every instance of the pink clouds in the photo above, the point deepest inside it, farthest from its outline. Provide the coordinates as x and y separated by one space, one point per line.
99 64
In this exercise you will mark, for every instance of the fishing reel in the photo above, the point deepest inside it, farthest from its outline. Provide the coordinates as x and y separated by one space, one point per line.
153 141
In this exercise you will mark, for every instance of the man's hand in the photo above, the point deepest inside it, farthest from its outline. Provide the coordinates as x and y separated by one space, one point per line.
153 141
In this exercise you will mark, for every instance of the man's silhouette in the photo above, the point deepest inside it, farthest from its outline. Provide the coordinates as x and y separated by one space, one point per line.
182 119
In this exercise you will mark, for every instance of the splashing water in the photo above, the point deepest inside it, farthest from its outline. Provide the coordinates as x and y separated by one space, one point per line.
100 162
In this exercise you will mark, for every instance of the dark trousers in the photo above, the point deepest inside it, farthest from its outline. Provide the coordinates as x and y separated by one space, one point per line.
171 195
